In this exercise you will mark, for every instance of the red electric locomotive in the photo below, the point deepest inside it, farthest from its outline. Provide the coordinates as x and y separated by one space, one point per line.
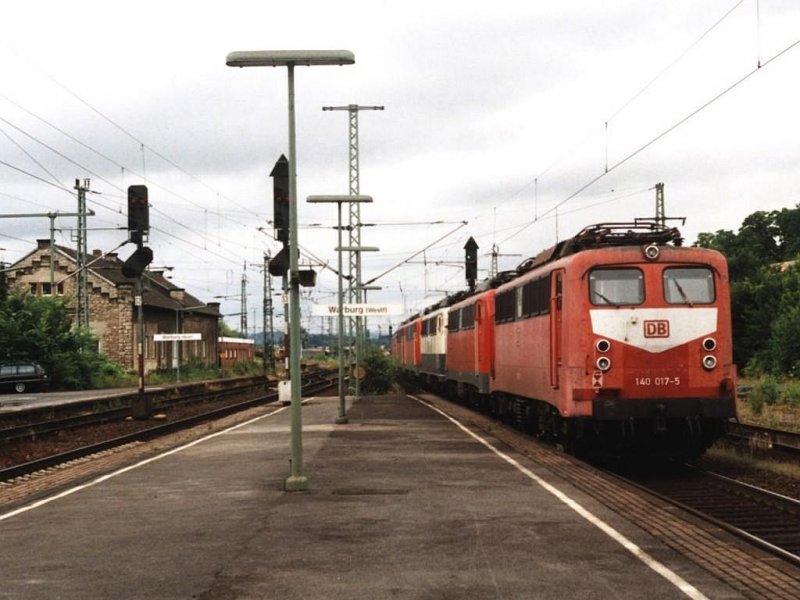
406 346
470 347
618 338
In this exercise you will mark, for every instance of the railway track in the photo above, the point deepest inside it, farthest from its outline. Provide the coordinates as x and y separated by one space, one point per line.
148 430
763 437
751 568
763 518
36 423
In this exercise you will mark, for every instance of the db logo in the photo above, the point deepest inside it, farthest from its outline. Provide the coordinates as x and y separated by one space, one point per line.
656 329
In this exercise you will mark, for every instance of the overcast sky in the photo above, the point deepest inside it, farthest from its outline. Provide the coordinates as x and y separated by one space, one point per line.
495 114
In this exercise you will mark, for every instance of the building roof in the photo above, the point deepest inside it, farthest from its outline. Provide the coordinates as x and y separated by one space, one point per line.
160 293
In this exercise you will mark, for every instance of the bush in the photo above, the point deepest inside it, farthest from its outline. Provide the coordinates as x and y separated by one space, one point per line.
792 394
765 392
379 368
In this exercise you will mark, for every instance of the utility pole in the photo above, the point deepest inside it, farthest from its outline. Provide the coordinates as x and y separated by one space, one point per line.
269 355
82 292
494 270
354 271
243 306
52 216
661 218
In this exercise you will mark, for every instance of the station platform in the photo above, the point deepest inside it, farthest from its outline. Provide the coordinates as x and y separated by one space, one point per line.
402 502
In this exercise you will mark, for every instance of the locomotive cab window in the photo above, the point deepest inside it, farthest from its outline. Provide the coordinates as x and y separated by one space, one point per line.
689 285
616 287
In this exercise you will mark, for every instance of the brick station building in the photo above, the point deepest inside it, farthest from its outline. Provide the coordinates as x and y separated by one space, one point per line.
112 312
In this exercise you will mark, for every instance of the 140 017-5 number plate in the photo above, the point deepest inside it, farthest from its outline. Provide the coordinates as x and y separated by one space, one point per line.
657 380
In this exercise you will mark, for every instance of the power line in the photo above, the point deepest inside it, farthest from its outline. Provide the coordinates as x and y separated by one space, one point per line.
675 61
630 101
668 130
50 183
116 211
61 131
64 156
448 234
29 155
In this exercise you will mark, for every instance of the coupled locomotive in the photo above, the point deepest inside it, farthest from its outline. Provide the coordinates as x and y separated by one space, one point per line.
617 339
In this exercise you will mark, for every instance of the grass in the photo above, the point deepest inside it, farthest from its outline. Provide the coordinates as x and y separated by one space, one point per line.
765 403
723 453
768 404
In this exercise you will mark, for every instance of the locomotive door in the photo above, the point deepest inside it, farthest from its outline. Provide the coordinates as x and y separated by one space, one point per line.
478 336
484 339
556 307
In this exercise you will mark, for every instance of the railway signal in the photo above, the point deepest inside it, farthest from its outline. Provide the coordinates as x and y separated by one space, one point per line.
471 262
138 213
138 228
137 262
280 199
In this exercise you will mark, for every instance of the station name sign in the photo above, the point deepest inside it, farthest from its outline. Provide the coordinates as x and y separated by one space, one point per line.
357 310
176 337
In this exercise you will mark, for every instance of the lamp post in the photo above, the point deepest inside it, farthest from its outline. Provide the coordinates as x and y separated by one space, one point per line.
296 481
359 322
364 289
342 418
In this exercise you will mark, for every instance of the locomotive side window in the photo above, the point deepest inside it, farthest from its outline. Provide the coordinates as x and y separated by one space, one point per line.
468 317
429 326
536 297
689 285
504 306
616 287
452 320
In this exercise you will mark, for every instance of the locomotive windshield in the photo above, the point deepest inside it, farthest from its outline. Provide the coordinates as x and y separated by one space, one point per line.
689 285
616 287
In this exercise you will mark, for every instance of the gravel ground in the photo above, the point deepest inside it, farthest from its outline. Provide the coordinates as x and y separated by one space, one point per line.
16 453
753 469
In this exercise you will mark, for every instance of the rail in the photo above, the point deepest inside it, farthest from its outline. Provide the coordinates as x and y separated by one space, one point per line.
763 437
320 381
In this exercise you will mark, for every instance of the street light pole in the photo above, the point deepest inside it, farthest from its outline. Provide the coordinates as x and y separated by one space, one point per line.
357 371
342 418
296 481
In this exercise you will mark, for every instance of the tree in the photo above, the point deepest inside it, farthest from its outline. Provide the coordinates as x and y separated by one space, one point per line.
787 222
759 288
39 329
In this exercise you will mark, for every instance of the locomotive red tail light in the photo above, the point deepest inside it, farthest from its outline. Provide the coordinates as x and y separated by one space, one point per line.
709 362
602 345
603 363
709 344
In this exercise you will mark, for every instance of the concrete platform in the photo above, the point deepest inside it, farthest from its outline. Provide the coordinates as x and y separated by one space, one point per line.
402 503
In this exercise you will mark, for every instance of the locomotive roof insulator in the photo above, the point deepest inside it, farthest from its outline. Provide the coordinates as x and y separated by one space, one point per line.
651 252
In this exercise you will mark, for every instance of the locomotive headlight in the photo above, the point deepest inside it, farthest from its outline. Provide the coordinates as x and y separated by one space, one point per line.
709 362
709 344
651 252
603 363
602 345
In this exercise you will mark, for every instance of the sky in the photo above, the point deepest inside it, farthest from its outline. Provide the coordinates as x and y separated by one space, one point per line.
515 123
